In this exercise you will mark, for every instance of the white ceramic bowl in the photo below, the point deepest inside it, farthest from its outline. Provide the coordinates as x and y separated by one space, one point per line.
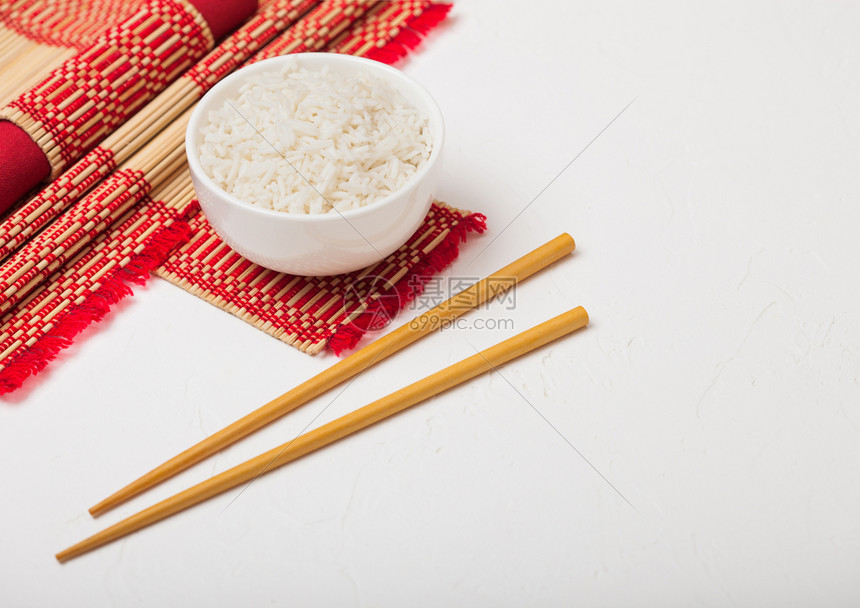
317 244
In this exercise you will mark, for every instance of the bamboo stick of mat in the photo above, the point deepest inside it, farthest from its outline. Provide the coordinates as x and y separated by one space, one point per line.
443 380
472 297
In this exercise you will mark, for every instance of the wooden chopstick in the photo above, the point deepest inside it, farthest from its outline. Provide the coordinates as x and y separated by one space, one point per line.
346 368
361 418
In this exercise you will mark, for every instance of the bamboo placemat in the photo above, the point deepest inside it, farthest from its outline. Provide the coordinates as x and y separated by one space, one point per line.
312 313
127 226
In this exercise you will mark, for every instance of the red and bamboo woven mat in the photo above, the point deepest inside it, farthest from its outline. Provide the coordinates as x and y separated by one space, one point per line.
141 218
312 313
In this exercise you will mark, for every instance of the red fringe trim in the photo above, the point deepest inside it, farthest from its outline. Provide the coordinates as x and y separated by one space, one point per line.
94 308
411 34
409 287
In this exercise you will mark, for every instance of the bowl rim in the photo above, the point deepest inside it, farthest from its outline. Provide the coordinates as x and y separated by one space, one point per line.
198 115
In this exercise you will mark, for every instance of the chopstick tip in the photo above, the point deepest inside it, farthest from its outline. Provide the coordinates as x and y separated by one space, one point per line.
107 504
584 313
63 556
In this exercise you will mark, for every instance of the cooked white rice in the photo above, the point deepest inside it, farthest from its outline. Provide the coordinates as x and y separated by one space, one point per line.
303 140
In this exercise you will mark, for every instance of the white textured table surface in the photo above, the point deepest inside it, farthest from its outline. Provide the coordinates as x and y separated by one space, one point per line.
716 388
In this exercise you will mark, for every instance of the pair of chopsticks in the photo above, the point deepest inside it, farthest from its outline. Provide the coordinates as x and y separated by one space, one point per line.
361 418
